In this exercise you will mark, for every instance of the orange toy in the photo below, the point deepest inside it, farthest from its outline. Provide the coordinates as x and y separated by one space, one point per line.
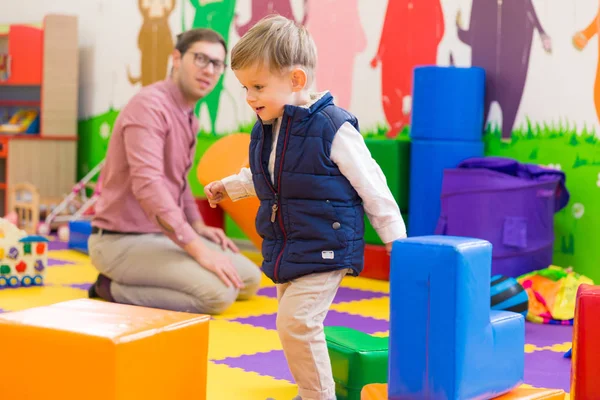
580 40
226 157
374 391
103 351
378 391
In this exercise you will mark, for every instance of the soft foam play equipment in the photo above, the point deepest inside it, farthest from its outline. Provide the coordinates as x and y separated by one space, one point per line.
585 363
212 216
448 103
357 359
226 157
88 349
428 159
378 391
377 263
454 346
508 295
524 199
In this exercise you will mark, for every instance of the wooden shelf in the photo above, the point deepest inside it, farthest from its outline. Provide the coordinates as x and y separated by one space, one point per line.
44 65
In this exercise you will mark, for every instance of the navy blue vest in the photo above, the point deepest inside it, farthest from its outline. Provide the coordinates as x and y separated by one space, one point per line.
311 219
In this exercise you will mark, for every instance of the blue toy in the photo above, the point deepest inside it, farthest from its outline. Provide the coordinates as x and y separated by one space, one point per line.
508 295
445 342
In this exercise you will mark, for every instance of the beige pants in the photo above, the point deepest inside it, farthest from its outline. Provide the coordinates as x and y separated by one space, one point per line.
152 271
303 306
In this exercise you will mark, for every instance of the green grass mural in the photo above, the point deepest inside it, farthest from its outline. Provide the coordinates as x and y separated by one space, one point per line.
94 135
576 152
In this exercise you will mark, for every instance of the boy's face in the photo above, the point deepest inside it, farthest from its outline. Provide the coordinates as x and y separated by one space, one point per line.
266 92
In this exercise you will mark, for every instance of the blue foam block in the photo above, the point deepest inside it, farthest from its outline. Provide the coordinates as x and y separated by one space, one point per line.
427 163
448 103
444 342
79 232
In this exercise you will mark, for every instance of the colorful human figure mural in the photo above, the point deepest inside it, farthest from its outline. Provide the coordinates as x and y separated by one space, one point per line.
262 8
154 41
500 35
332 22
411 33
580 41
216 15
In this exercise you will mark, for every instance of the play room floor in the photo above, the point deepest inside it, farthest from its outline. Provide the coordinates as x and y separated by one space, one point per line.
255 368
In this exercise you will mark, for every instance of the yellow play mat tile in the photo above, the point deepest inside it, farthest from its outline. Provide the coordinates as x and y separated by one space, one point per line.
68 274
72 256
376 308
257 305
366 284
234 339
20 299
225 383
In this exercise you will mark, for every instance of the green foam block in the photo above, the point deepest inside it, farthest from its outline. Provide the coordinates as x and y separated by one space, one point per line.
393 156
357 359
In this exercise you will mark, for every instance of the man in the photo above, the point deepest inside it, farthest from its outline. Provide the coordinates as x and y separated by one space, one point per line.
149 242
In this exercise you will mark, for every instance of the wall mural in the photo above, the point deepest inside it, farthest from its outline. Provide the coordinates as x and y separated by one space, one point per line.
217 15
330 23
500 35
403 46
155 41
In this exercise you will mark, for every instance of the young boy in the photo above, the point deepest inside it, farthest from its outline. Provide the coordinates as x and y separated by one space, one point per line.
315 178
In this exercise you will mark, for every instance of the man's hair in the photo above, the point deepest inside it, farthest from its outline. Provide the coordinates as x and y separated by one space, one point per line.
277 43
186 39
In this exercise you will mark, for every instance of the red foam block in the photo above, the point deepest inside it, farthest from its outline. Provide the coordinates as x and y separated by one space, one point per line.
377 263
585 363
212 216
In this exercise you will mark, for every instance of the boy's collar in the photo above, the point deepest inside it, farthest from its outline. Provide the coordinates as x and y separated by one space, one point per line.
317 101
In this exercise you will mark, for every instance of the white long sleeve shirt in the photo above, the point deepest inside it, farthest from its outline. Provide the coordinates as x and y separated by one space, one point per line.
351 155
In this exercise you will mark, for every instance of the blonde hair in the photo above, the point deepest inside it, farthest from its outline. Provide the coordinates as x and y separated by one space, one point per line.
278 43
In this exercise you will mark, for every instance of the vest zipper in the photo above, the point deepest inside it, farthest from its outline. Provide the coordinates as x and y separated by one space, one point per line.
276 205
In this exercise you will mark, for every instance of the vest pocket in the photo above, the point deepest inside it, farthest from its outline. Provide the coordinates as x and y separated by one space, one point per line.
315 233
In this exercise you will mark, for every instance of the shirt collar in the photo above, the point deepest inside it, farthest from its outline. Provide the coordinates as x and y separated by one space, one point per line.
176 94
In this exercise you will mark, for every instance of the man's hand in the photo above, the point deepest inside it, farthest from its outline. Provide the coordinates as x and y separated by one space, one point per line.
221 265
214 261
216 193
216 235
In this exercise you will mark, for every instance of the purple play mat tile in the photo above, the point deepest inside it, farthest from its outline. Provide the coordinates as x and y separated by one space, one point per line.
271 364
547 335
334 318
54 263
58 245
1 311
547 369
84 286
343 294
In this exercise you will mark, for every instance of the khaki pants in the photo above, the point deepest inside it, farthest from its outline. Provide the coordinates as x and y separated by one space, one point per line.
303 306
150 270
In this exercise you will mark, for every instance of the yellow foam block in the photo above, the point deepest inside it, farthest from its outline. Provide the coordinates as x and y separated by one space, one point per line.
94 350
378 391
533 394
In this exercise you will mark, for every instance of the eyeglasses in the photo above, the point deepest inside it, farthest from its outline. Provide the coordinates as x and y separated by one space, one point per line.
202 61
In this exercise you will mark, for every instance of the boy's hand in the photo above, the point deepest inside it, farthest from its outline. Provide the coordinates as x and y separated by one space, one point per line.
216 193
388 247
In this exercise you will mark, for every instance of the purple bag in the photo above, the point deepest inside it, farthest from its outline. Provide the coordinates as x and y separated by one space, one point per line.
507 203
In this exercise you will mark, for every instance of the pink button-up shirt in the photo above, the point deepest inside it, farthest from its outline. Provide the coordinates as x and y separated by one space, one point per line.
144 179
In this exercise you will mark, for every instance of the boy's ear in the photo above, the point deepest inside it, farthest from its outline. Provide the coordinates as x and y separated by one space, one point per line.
299 79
